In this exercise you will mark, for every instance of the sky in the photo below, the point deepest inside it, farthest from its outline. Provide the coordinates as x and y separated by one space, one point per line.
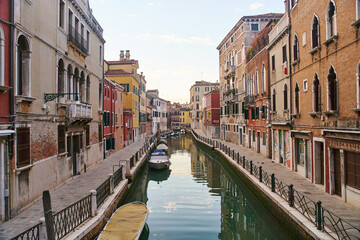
174 40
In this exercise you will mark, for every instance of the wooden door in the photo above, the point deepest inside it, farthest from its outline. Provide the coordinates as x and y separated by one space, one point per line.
337 172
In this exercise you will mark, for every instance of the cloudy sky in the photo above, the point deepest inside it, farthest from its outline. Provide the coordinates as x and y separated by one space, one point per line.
174 40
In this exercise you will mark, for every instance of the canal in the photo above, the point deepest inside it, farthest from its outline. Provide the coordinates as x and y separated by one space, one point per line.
200 198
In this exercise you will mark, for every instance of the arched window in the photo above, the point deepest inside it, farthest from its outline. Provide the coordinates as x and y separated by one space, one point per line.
75 85
315 33
23 67
331 19
88 90
274 100
2 57
243 53
297 99
69 81
332 90
316 94
256 83
61 79
285 97
263 78
82 87
296 48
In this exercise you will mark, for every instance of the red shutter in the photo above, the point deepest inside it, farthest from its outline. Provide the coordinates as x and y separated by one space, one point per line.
23 146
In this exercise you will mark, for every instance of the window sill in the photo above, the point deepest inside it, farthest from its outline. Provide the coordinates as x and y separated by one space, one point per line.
4 89
88 147
330 40
315 114
21 98
295 62
356 24
60 155
21 169
331 113
356 110
314 50
296 115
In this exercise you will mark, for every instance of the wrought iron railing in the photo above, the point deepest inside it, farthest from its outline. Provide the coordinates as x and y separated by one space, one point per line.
31 234
118 176
102 192
69 218
282 189
76 38
305 206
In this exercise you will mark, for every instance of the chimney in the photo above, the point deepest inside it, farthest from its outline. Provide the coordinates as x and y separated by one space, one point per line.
286 2
127 57
142 74
122 55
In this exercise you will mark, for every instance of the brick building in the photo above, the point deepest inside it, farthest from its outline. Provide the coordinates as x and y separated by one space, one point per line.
212 113
256 102
325 75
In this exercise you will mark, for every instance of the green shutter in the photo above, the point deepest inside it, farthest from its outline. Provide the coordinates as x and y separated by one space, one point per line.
221 111
246 113
242 107
236 108
257 112
113 143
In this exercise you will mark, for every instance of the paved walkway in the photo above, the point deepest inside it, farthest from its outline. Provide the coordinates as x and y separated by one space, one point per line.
332 202
73 190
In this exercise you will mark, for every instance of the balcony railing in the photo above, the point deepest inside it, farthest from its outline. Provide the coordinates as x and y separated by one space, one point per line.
80 110
76 38
230 72
279 28
249 100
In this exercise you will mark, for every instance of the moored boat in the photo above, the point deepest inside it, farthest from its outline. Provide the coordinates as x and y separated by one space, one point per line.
127 222
159 159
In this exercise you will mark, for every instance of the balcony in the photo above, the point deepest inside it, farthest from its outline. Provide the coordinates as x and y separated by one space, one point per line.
279 28
249 100
230 95
77 40
79 111
230 72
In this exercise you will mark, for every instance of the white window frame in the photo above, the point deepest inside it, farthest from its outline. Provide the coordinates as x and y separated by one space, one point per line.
305 85
63 17
328 25
254 23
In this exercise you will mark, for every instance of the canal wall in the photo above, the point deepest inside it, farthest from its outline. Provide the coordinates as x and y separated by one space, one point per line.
292 220
131 168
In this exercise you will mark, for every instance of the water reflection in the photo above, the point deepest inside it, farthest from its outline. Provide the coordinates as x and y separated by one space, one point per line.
200 198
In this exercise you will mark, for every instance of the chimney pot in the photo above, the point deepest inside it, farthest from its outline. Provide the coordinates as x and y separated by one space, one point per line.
122 55
127 56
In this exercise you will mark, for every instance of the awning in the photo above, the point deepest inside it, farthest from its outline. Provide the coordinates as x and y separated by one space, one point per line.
6 132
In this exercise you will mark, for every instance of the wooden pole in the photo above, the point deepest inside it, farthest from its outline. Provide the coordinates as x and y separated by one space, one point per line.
49 221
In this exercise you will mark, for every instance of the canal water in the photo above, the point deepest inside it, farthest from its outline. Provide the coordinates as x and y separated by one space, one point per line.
200 198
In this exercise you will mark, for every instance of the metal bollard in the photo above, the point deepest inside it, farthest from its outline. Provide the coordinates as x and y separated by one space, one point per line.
260 173
273 182
319 215
244 162
251 167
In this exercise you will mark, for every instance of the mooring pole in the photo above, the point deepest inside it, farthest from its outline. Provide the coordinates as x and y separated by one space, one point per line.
49 221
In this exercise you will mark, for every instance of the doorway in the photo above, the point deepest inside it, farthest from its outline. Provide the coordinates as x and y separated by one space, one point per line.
258 142
76 154
4 181
249 138
224 133
319 162
240 136
337 172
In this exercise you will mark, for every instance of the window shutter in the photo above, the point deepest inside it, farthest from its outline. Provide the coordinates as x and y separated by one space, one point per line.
87 135
61 139
23 146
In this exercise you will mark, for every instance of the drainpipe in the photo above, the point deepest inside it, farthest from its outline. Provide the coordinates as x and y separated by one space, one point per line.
290 74
12 49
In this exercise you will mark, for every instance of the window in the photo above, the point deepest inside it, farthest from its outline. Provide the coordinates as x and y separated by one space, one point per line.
61 139
331 19
357 9
305 85
273 62
88 89
352 174
254 27
61 14
197 89
87 135
206 89
197 97
68 146
284 55
126 87
264 138
2 55
256 83
70 23
61 78
274 100
253 136
316 94
197 106
296 48
23 67
315 34
285 97
100 55
332 90
100 96
23 146
297 100
87 40
263 78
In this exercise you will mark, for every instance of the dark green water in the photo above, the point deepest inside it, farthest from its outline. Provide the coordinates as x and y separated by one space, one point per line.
200 198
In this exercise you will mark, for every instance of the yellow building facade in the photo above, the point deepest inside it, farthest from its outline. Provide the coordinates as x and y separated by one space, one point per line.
185 120
124 72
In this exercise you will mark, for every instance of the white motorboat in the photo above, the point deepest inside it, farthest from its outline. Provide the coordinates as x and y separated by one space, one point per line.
182 131
162 147
159 162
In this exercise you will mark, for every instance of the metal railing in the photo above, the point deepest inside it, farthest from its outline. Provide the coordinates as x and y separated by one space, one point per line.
324 219
102 192
118 176
32 233
69 218
76 38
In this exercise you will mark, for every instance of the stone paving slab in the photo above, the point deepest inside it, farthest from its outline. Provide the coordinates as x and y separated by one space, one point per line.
71 191
313 191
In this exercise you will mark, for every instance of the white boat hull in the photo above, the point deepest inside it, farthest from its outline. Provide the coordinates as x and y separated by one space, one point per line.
159 162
